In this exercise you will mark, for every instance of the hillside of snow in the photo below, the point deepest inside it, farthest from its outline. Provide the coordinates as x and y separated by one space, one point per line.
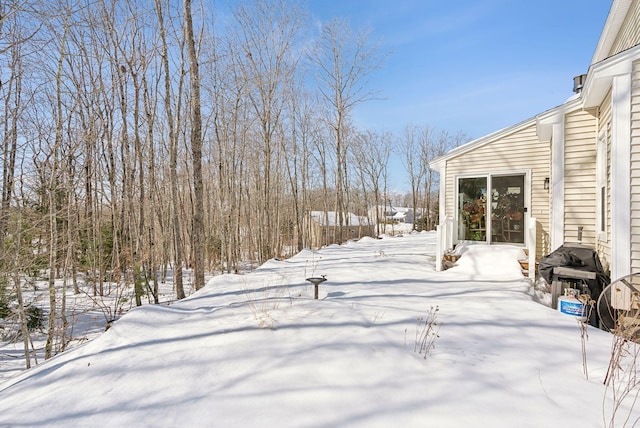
258 350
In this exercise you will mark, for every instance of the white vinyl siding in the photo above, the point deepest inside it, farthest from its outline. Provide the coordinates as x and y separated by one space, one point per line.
604 119
629 34
518 151
579 178
635 169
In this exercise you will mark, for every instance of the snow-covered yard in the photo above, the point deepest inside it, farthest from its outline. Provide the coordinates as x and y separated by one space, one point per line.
258 350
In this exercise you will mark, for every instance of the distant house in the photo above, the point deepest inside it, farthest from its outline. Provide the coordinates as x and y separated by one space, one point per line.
570 174
321 227
393 214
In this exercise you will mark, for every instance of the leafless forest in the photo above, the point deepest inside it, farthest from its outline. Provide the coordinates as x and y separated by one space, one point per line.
143 135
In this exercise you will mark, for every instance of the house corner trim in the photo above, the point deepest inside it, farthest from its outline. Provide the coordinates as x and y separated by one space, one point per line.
621 176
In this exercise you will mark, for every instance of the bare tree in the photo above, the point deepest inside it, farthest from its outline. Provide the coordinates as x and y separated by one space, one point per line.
173 153
107 128
11 99
343 60
196 149
267 31
14 257
370 153
226 86
414 165
52 190
432 145
304 130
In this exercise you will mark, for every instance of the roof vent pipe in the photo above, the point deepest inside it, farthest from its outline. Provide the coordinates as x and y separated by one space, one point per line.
578 83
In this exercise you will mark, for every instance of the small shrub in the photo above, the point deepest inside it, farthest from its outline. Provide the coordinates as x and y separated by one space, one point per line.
589 305
5 310
427 329
5 299
623 375
35 318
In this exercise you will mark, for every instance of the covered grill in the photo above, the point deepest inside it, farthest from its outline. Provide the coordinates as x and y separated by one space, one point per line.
574 266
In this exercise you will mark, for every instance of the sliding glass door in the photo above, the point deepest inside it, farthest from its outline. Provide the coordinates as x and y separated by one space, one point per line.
472 209
507 209
500 220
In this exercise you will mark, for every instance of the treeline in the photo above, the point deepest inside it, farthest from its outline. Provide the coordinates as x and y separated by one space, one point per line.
140 137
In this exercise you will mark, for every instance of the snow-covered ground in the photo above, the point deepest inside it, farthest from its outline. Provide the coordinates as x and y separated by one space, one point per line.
258 350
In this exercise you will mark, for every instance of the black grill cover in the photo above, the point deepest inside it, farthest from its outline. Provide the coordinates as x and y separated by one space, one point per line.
576 257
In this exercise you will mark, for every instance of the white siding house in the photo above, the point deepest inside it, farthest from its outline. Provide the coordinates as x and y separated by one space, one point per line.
322 228
580 162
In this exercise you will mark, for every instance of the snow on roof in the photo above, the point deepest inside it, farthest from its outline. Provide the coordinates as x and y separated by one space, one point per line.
350 220
401 209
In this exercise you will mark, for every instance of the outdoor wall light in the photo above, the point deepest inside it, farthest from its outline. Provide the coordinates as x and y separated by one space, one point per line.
546 183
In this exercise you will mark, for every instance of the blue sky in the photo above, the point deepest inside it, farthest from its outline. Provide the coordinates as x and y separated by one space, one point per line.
469 65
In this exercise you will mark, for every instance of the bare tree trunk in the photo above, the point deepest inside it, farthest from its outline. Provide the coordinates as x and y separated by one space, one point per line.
173 158
17 282
196 150
152 257
10 141
69 261
52 203
341 165
414 166
11 90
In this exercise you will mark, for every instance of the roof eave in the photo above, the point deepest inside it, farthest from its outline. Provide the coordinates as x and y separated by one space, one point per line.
600 76
615 19
546 120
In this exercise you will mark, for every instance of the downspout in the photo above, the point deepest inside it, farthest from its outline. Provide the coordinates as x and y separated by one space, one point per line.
442 203
442 228
557 185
